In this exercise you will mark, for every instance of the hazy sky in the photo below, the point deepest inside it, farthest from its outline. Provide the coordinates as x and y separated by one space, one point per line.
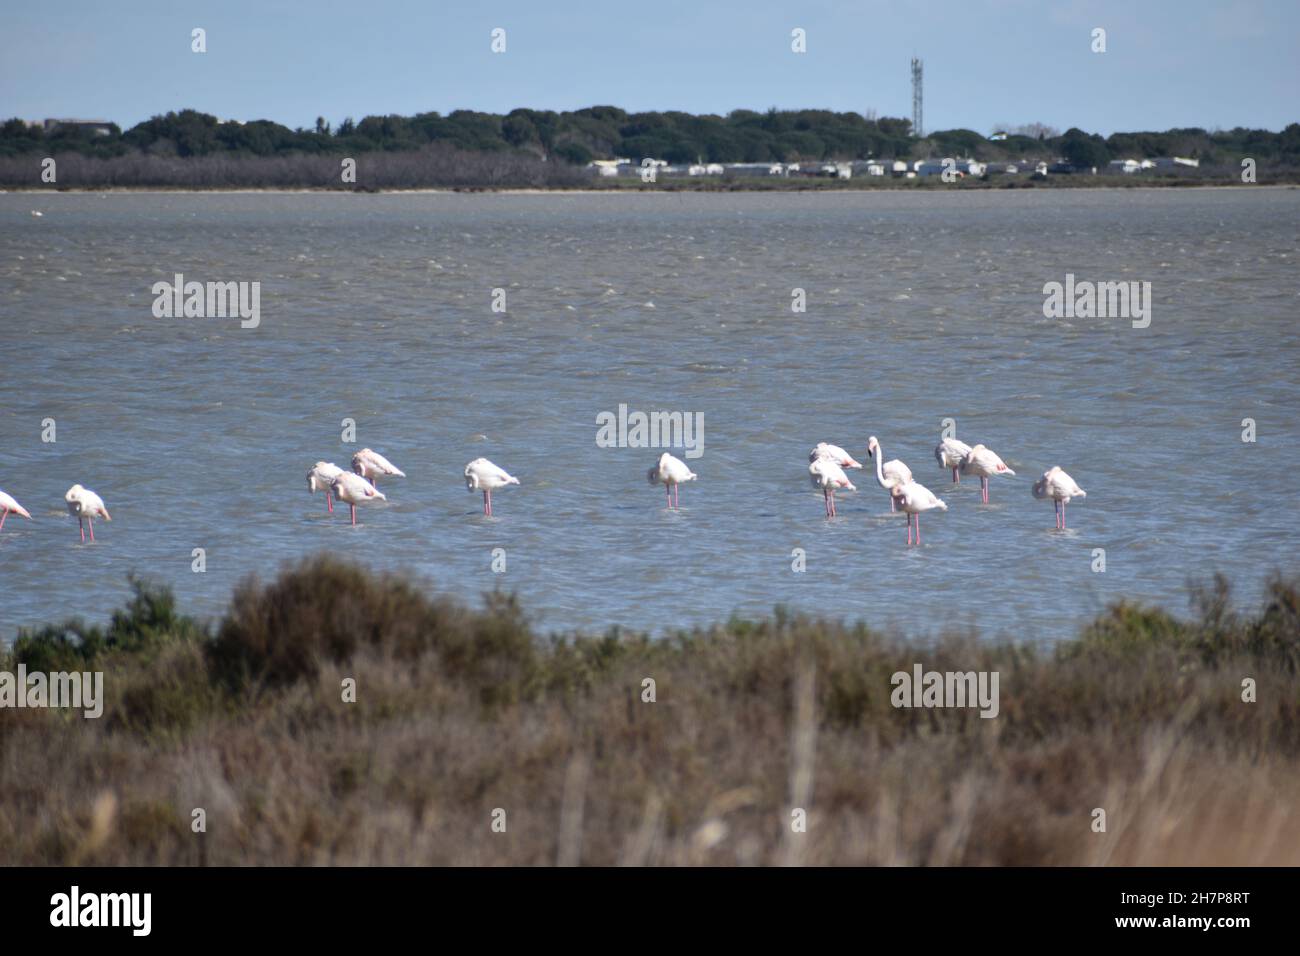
1168 63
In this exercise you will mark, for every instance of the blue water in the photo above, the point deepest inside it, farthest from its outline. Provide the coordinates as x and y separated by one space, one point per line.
921 307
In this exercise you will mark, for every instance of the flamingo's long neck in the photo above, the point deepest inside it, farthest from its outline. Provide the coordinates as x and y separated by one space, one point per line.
880 466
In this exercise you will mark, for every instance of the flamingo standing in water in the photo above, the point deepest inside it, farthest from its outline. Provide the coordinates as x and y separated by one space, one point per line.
670 472
890 473
1060 487
354 490
86 506
7 504
835 453
482 475
370 465
913 499
826 476
980 461
320 478
950 453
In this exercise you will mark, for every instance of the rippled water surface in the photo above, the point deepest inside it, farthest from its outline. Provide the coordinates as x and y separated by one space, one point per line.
921 307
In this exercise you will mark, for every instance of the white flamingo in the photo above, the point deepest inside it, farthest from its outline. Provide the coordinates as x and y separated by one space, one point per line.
370 465
983 462
1060 487
85 506
949 453
354 490
7 504
914 499
835 453
320 478
888 473
482 475
826 476
670 472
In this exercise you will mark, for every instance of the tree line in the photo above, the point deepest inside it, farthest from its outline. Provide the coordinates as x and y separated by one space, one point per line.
606 132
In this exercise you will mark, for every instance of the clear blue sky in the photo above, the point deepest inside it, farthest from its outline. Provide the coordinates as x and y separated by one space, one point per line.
1168 63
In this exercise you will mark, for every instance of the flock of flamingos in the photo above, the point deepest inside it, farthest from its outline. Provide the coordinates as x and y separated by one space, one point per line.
825 469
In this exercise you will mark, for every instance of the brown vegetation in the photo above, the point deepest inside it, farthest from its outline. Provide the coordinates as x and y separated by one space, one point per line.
459 712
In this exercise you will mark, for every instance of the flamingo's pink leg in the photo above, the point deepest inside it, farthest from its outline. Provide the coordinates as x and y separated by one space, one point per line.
354 514
668 492
1063 504
3 514
955 477
82 525
91 522
918 529
677 490
329 502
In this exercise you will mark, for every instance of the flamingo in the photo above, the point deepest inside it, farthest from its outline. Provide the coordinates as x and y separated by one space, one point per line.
826 475
1060 487
321 477
915 498
482 475
7 504
354 490
889 473
370 465
86 506
835 453
980 461
949 453
670 472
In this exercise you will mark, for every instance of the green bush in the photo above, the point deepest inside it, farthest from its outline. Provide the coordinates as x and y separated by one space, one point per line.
148 622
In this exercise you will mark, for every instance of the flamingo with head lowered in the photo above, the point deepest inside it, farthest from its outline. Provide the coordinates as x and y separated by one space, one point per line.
949 453
320 478
370 465
889 474
670 472
914 499
983 462
355 490
1060 487
86 506
827 476
835 453
482 475
7 505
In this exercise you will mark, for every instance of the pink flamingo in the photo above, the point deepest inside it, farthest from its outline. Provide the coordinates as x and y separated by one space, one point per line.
86 506
7 504
980 461
482 475
670 472
355 490
826 476
1060 487
949 453
914 499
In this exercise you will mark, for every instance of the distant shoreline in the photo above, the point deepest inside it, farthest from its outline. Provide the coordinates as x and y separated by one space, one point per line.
666 188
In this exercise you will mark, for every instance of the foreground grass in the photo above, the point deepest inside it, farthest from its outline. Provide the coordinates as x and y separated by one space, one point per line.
461 712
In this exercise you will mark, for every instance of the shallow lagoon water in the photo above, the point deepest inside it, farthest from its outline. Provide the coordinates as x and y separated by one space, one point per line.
920 307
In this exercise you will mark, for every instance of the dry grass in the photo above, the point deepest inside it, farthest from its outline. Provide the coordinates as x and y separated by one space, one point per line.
459 712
